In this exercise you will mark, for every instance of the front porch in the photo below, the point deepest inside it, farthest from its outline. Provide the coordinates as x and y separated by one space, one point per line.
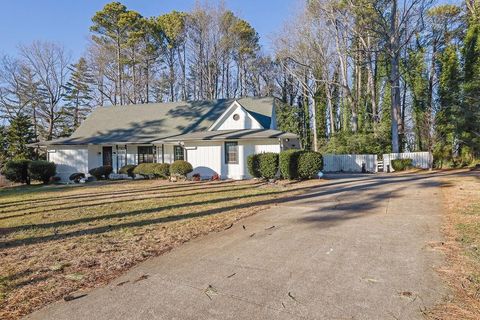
81 158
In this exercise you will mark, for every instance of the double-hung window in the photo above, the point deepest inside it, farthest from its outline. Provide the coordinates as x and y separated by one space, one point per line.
231 152
145 155
178 153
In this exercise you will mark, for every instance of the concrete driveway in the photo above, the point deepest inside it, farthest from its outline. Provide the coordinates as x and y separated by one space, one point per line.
358 247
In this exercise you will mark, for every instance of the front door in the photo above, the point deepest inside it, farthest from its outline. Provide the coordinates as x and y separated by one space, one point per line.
107 156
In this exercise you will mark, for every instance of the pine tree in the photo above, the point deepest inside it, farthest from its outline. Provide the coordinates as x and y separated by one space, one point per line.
18 135
3 145
78 94
448 117
471 89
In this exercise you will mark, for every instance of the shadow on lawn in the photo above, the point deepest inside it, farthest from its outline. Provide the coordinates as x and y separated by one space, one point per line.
88 195
343 212
146 194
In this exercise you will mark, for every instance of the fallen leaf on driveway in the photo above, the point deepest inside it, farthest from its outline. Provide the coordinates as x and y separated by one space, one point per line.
143 277
210 291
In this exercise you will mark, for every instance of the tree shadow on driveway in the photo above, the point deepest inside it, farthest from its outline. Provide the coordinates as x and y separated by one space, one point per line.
311 196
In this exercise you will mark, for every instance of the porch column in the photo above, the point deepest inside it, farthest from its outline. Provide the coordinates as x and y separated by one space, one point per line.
241 160
116 157
163 153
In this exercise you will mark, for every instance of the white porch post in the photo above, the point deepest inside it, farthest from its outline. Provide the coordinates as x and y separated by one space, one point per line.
241 160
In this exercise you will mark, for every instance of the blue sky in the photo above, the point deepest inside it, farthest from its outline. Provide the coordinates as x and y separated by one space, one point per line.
68 21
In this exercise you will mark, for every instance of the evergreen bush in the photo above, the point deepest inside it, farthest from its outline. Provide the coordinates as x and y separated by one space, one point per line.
253 166
101 172
17 171
402 164
309 163
288 163
42 170
268 165
128 170
181 168
161 170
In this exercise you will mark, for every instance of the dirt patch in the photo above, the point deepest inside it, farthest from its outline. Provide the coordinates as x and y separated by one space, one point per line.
461 197
57 241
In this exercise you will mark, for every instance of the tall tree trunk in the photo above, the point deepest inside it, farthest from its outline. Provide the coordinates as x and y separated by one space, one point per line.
171 77
147 80
394 77
119 71
330 107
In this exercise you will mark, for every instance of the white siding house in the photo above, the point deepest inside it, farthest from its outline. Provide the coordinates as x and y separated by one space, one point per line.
216 137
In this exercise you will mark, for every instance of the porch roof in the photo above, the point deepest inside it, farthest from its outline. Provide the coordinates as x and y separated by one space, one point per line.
232 135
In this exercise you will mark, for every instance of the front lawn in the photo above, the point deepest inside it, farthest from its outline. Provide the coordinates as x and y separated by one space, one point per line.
55 240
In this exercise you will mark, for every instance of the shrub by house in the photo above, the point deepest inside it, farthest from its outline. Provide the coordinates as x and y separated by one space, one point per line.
309 163
101 172
288 163
155 170
253 166
180 168
42 170
17 171
128 170
268 165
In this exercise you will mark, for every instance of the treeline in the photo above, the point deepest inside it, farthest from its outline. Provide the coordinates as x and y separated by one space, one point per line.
354 76
380 76
208 53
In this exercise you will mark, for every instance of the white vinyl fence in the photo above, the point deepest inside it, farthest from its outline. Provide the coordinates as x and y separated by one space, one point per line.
422 160
349 162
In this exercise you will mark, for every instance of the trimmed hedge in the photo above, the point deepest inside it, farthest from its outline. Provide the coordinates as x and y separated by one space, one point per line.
402 164
17 171
309 163
128 170
288 163
253 166
268 165
162 170
42 170
180 167
156 170
101 172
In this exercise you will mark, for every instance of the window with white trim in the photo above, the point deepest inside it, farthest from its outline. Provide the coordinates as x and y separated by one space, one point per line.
178 153
231 152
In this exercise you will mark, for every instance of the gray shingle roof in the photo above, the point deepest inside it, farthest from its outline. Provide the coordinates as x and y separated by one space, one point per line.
232 135
145 123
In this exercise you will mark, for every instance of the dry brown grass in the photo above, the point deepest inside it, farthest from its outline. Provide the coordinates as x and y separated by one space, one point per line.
461 196
56 240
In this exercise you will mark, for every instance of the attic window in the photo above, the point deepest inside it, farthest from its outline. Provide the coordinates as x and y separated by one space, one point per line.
236 117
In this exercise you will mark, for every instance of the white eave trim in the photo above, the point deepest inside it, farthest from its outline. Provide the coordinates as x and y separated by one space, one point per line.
235 104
